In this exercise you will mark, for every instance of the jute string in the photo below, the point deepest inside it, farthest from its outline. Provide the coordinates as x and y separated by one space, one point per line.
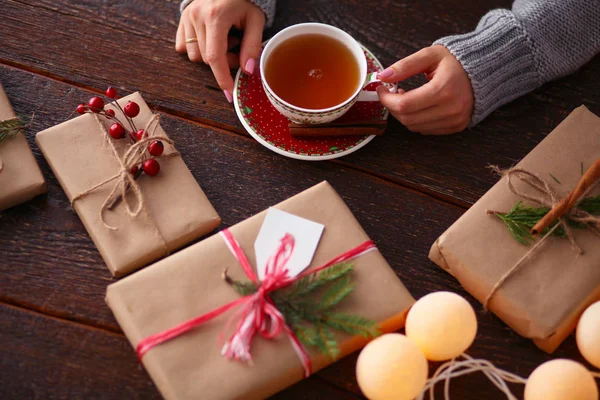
455 368
124 180
547 198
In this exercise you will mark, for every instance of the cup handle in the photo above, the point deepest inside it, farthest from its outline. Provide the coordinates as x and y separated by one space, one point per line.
372 95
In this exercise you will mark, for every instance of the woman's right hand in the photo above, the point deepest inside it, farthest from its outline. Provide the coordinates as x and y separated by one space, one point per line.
209 22
441 106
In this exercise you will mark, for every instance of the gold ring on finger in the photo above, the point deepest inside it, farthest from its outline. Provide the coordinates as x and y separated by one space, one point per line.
191 40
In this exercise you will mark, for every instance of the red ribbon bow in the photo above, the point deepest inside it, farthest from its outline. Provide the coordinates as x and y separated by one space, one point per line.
258 314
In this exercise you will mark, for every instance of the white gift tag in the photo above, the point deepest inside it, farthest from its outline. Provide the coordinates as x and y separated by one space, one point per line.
277 223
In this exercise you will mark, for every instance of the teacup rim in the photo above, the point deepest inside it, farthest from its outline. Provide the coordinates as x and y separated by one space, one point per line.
312 110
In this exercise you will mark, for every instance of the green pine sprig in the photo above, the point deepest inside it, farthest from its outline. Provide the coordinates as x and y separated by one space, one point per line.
310 315
10 128
522 218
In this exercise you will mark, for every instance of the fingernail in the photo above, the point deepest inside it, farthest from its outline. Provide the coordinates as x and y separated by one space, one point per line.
250 66
386 73
228 95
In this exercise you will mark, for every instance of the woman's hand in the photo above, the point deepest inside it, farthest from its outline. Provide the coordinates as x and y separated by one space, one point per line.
203 34
441 106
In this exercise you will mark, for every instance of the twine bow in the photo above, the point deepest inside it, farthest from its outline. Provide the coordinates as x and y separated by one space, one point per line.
123 179
561 210
258 314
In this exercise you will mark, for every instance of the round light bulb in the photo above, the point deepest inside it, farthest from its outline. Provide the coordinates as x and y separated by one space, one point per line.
391 367
588 334
561 379
442 324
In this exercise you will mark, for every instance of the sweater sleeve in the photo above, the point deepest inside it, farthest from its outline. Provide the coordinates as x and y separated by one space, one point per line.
268 7
512 52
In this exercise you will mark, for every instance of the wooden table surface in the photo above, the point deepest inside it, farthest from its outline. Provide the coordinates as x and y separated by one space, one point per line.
58 339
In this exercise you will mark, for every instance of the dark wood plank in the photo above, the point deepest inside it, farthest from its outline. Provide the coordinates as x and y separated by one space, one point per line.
154 19
48 358
50 264
129 44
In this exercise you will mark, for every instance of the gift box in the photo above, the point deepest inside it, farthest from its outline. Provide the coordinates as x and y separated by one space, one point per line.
174 209
191 283
20 177
553 284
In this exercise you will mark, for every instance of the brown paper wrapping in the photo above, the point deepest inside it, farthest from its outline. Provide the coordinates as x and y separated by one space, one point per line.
20 176
175 205
544 299
189 284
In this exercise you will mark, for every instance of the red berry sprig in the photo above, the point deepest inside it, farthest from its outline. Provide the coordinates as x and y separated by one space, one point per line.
118 130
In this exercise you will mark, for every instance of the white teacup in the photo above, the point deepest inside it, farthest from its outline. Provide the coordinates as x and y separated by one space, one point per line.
324 115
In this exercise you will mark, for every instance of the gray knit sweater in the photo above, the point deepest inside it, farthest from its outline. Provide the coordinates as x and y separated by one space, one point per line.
512 52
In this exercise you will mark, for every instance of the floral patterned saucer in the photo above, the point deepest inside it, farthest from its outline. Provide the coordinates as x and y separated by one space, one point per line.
265 124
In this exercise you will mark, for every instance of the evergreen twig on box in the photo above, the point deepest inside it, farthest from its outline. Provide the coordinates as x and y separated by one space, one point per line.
10 128
521 219
312 317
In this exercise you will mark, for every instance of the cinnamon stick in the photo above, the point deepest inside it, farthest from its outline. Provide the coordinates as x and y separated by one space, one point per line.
357 128
587 180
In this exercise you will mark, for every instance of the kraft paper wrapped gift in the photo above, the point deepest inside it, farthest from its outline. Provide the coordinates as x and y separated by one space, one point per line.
176 210
544 298
190 283
20 176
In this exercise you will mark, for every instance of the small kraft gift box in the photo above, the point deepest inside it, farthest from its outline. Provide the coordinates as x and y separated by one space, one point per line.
538 285
131 221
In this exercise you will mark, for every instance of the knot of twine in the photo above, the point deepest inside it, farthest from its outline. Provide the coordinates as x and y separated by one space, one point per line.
561 210
123 179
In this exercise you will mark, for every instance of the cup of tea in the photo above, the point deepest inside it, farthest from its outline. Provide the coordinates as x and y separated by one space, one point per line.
313 73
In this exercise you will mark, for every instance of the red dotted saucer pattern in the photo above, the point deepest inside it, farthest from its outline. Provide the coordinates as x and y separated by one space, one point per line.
271 126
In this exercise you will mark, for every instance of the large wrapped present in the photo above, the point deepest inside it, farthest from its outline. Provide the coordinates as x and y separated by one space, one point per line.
178 312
